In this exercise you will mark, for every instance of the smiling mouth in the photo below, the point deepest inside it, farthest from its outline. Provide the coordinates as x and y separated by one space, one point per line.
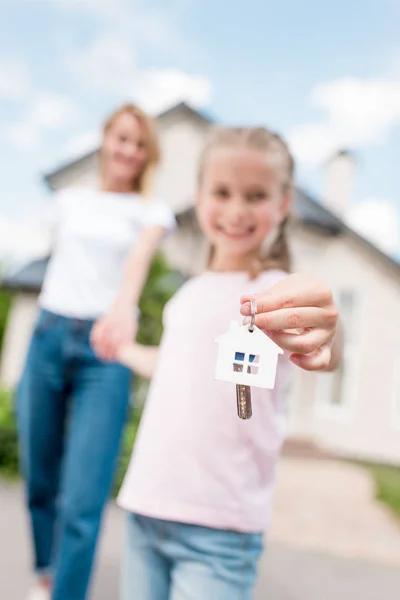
236 234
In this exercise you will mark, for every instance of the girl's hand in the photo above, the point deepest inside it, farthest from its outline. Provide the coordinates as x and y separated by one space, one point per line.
304 304
109 333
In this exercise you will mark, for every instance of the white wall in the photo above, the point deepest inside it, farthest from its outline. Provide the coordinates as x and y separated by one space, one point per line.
16 339
182 141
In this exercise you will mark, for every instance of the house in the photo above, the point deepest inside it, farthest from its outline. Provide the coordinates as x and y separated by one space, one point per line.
247 358
355 411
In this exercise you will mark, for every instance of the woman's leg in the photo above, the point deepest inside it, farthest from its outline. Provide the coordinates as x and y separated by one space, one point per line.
212 563
40 416
145 571
99 403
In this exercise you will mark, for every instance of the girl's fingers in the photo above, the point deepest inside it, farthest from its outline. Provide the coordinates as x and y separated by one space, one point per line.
295 318
316 361
304 343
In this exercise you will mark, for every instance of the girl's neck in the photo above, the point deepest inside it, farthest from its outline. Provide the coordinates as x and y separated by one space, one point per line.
225 264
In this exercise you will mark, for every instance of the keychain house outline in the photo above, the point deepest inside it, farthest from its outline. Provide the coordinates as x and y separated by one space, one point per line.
247 358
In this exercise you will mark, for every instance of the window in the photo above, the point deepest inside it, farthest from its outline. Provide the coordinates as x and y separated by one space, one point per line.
395 393
246 362
337 389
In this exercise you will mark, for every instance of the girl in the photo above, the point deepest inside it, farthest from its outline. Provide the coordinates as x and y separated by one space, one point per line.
198 489
104 240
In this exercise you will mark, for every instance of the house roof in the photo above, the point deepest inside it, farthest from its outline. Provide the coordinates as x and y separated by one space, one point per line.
311 212
29 278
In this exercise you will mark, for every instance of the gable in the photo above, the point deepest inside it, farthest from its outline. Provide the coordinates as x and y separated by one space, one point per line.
257 342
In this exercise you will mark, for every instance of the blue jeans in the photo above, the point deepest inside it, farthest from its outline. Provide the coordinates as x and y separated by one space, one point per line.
71 409
173 561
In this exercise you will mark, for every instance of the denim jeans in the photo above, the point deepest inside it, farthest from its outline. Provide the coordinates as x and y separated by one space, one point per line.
71 409
173 561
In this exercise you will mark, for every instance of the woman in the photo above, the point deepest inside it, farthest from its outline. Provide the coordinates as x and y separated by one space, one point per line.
72 401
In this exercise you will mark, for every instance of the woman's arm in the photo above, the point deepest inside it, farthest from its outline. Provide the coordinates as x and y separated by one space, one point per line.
141 359
137 267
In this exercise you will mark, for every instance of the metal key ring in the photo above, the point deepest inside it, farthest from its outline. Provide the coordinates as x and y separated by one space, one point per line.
253 310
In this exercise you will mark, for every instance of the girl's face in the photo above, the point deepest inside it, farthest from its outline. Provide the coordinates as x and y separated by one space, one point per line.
240 202
124 152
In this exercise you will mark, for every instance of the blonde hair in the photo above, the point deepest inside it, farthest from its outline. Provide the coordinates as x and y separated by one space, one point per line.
264 140
144 181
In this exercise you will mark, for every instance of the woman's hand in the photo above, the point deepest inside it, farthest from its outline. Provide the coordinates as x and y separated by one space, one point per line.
109 333
300 316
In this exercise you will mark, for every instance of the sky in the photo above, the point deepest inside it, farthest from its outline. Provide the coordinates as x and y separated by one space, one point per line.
325 75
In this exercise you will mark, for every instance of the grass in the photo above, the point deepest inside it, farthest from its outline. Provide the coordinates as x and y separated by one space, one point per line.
387 482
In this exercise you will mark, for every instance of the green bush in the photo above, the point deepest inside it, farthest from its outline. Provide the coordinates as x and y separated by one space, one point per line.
161 284
8 436
5 303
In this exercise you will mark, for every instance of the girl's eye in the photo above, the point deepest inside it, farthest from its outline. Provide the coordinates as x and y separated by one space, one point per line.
258 196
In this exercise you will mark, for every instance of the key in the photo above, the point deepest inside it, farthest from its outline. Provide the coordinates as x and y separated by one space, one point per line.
243 392
243 399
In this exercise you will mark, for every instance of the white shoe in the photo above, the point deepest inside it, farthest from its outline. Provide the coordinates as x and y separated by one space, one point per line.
39 592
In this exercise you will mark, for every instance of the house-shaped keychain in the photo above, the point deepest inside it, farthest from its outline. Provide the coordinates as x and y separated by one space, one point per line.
247 357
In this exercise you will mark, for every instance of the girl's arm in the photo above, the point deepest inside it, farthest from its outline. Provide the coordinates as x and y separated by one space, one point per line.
141 359
304 304
119 326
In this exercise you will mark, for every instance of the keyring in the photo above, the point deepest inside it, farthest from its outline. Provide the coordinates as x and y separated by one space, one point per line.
253 310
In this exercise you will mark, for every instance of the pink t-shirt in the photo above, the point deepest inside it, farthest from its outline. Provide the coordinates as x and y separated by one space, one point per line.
194 460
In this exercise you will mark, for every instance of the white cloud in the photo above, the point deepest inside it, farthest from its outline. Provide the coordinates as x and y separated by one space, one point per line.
46 111
102 9
377 220
80 144
357 112
110 63
14 78
52 110
158 89
146 24
23 135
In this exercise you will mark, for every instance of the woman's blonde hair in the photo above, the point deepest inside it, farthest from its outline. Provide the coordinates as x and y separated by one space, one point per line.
144 181
264 140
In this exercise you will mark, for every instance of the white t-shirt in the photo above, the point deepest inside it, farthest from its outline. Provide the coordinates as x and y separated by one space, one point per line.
194 460
93 232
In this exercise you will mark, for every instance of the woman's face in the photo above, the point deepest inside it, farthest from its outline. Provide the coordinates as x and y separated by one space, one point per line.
124 151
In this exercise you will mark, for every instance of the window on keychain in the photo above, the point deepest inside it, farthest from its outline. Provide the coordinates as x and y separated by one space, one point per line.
246 362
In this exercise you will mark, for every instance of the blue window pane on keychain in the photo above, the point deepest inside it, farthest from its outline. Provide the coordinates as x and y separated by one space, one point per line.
240 356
